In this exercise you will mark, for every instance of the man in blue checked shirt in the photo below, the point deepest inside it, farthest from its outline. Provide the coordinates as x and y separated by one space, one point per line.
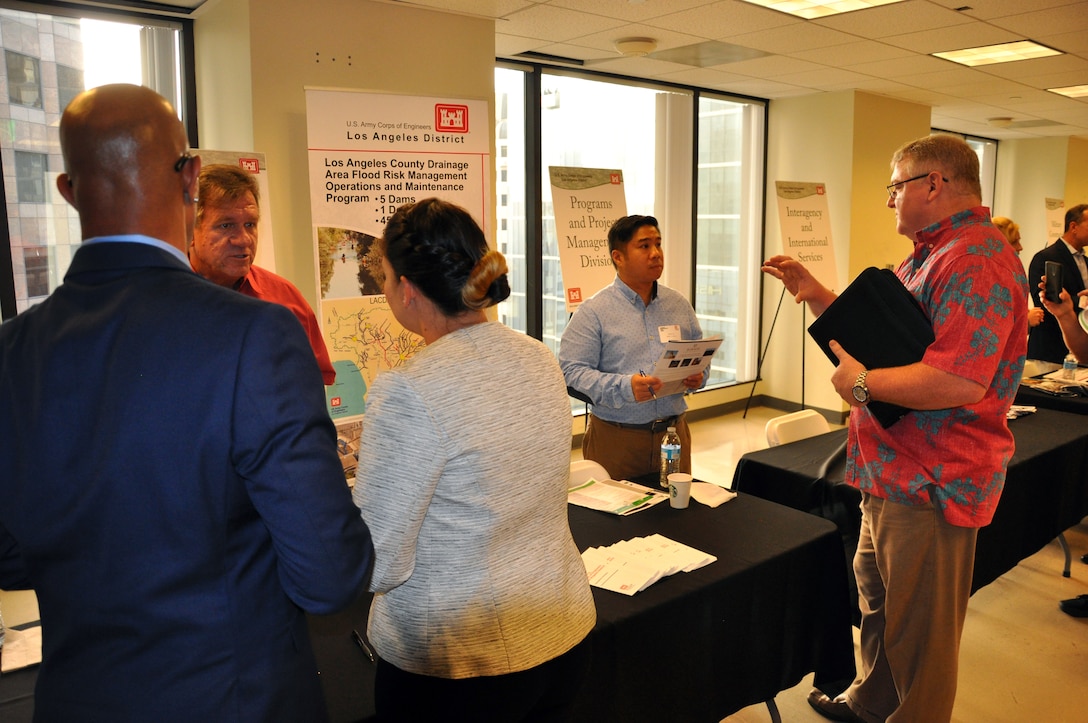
612 338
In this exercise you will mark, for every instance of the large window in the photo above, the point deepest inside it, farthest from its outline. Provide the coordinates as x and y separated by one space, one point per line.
48 59
588 123
693 160
511 192
728 231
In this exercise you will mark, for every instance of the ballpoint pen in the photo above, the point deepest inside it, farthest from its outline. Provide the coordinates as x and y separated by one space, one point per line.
362 644
650 386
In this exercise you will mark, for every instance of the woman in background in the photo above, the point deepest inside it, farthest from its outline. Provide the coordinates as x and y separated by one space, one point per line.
1011 229
483 602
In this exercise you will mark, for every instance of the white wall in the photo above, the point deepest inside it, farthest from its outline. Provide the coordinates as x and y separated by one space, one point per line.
223 76
1029 172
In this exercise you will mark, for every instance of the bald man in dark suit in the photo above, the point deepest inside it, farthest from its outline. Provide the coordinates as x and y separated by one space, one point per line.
169 482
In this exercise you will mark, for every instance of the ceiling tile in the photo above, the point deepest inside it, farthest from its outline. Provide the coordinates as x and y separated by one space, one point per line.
555 24
724 19
793 38
897 19
630 11
852 54
957 37
1068 18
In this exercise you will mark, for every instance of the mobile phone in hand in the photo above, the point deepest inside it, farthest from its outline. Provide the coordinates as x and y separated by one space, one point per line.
1053 288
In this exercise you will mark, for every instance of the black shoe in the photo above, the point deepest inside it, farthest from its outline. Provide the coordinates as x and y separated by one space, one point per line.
1077 607
833 708
1084 558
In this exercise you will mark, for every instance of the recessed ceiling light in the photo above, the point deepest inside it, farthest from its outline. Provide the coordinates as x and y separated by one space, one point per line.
1071 91
1002 53
810 9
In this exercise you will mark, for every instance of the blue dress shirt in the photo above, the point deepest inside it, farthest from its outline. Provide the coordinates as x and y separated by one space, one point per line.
611 337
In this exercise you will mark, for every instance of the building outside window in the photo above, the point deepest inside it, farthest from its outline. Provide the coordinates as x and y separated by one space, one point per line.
24 76
30 172
511 215
36 263
69 84
48 59
727 233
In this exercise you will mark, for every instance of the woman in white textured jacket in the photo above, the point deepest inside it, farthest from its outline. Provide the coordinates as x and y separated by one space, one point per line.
482 603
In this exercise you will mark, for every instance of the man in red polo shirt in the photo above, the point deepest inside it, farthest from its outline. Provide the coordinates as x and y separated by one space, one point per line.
225 243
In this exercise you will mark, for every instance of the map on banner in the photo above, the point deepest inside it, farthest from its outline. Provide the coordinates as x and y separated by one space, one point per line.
364 339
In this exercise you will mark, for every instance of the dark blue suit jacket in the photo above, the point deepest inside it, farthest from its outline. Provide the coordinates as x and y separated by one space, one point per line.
170 487
1045 341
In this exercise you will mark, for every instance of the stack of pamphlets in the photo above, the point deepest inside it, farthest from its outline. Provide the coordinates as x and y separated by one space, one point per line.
631 566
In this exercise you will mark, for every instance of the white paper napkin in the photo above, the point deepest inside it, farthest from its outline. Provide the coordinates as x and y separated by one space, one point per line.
711 495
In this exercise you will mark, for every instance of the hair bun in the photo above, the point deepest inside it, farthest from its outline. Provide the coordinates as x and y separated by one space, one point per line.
487 284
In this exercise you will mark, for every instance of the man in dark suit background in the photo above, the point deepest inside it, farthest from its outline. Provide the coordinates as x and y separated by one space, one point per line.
1045 340
169 481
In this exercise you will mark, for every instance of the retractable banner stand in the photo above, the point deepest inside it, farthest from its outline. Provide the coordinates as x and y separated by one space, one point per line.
586 202
806 236
806 228
370 153
1055 219
253 162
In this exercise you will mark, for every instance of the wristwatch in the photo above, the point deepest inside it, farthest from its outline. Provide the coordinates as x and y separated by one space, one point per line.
860 391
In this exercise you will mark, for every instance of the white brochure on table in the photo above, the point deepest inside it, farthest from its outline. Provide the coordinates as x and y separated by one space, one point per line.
680 360
630 566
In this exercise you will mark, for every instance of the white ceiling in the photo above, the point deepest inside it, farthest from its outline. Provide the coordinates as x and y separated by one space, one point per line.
883 50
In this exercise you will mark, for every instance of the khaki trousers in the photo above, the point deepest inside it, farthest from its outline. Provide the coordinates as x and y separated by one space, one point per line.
630 453
913 572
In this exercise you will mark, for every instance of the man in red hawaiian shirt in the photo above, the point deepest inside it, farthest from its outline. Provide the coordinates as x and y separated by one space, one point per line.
932 479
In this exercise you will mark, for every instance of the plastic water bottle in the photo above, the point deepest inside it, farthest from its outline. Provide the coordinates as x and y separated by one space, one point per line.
670 455
1069 367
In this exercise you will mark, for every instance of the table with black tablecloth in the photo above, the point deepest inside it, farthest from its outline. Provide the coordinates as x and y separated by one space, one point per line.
1028 396
698 646
694 646
1045 491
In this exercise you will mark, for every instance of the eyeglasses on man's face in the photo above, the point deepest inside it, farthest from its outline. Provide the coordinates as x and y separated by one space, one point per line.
893 188
180 163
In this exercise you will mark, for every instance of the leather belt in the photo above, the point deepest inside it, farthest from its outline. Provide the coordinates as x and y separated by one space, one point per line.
658 425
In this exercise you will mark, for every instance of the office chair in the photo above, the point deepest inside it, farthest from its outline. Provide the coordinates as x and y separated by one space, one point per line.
584 398
794 426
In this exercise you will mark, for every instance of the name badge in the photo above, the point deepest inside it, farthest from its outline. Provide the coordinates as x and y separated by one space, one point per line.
666 334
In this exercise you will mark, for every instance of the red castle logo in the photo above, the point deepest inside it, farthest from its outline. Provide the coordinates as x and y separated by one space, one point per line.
451 118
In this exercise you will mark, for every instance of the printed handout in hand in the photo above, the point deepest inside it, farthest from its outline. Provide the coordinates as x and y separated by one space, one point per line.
680 360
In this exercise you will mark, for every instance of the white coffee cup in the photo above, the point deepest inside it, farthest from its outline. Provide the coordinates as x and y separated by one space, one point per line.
679 490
